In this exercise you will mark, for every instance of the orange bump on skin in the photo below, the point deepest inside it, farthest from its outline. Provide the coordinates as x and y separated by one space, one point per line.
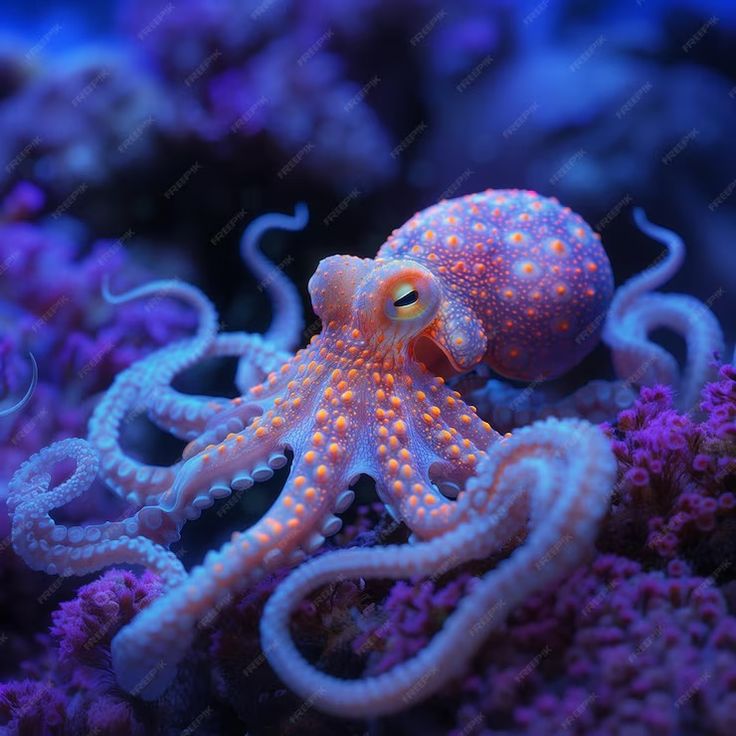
318 438
260 432
406 471
275 526
299 481
321 416
398 486
310 457
299 508
341 424
310 494
393 465
321 473
400 427
429 499
334 450
288 501
558 246
277 421
421 396
292 523
380 394
347 396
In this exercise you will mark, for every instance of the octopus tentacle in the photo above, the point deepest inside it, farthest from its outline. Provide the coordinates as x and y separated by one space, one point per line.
447 442
162 633
507 407
234 464
57 549
187 416
287 323
560 472
136 387
635 312
29 391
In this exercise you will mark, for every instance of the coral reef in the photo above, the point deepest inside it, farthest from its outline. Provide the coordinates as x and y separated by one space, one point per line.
675 493
566 578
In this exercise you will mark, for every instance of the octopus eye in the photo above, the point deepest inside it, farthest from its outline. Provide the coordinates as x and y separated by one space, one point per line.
409 298
404 302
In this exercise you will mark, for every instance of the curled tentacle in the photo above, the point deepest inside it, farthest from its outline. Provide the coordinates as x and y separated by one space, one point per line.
635 313
29 392
560 473
57 549
163 632
187 416
135 389
287 323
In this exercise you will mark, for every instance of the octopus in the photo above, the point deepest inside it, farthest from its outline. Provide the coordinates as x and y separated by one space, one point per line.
505 278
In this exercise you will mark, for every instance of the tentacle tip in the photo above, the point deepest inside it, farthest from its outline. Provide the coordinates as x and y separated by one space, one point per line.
301 213
107 295
142 679
29 391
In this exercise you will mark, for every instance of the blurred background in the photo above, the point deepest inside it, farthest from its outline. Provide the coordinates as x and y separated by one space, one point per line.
177 123
138 138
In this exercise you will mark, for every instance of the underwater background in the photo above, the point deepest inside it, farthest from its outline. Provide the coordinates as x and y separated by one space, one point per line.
138 140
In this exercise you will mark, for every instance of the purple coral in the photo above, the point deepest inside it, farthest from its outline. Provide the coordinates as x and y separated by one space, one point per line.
79 694
52 306
32 708
675 472
85 625
77 122
253 75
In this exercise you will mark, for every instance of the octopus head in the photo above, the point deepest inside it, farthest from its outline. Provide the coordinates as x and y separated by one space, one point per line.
397 305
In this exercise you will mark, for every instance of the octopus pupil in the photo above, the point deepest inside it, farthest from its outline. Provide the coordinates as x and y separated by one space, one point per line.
408 298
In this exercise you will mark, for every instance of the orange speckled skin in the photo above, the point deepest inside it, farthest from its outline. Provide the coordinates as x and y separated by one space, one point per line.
526 281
